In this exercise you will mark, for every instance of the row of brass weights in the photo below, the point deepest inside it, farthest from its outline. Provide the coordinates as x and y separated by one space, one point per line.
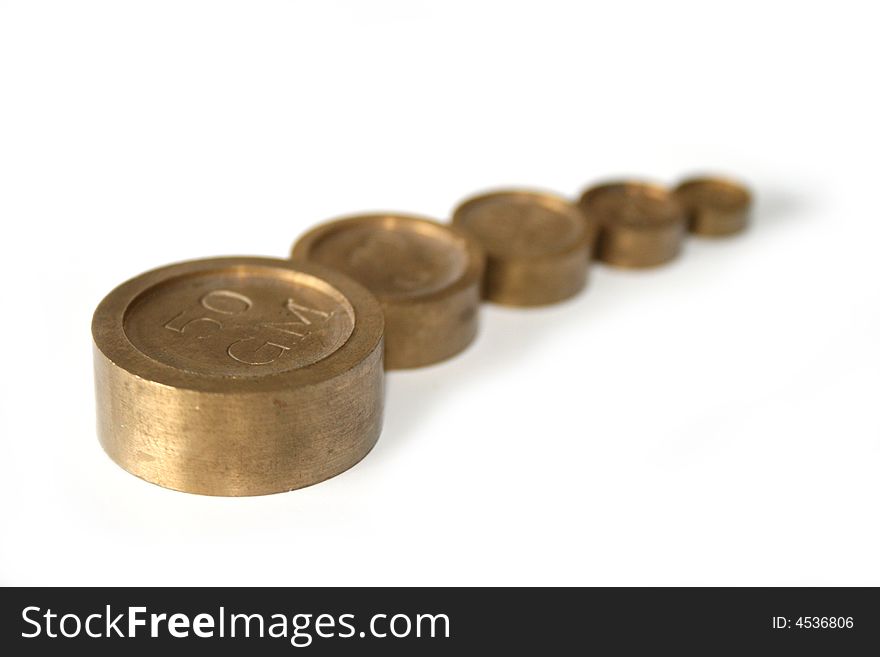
248 376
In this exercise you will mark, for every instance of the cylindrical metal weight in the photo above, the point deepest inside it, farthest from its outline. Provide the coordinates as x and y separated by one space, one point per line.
537 245
637 224
426 276
238 376
714 207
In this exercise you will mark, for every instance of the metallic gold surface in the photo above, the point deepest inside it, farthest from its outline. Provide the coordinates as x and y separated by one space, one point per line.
537 245
714 206
238 376
426 276
638 224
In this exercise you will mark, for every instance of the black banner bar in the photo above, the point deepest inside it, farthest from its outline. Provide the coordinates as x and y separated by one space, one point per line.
422 621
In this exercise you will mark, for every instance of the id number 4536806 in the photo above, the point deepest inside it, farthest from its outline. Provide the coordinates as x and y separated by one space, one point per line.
814 623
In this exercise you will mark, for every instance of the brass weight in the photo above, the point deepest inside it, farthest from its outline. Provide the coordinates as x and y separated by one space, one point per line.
426 276
638 224
238 376
537 245
714 207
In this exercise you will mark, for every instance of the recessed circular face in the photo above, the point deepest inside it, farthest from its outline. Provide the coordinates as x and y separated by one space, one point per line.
631 203
521 224
237 324
239 321
713 193
395 257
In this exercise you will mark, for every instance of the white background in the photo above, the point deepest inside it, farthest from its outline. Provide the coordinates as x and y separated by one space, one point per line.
711 422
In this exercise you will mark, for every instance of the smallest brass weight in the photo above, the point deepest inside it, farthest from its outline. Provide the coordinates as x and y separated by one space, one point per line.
714 206
639 224
426 276
537 245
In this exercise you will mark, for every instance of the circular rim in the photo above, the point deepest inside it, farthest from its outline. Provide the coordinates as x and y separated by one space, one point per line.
110 339
301 251
729 184
547 199
654 188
